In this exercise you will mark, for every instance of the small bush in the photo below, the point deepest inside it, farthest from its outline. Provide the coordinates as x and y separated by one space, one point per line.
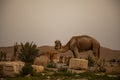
118 62
90 61
27 69
61 69
113 60
51 65
1 70
102 69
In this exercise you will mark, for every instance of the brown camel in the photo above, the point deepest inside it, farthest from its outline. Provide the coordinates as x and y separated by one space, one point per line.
79 44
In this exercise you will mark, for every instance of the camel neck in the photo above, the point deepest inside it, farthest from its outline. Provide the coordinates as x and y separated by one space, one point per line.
64 48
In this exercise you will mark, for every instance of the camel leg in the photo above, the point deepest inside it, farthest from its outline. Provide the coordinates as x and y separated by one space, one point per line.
76 53
97 61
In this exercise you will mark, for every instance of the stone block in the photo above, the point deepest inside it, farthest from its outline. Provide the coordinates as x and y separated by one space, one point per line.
78 64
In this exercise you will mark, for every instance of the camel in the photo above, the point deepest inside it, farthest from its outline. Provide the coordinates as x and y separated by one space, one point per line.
79 44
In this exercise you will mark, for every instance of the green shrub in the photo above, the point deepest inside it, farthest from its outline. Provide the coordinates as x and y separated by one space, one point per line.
90 61
27 69
102 69
62 69
28 52
15 49
3 56
51 65
113 60
1 70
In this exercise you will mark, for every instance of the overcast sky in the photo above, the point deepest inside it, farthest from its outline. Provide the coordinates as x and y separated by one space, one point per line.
44 21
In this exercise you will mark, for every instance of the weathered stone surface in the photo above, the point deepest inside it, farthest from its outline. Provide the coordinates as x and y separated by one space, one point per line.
77 64
38 68
52 55
113 70
42 60
12 68
77 71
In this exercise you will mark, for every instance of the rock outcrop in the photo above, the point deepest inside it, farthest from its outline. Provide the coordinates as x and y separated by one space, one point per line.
78 64
42 60
38 68
11 69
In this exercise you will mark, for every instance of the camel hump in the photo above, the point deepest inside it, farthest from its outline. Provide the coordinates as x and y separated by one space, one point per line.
82 39
85 37
89 38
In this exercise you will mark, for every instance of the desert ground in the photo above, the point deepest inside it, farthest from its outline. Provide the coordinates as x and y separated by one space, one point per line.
106 54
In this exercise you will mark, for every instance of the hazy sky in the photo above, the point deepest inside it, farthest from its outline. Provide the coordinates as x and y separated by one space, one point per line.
44 21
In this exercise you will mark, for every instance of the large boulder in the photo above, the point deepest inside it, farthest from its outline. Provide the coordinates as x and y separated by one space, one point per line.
42 60
52 56
46 57
78 64
38 68
112 69
11 69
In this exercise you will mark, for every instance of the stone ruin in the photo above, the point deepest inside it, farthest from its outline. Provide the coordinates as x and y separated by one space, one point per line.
13 68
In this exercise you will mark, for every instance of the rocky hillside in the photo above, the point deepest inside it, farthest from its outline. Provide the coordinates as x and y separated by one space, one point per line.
106 53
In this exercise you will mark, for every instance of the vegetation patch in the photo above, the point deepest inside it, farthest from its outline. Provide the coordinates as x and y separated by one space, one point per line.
66 76
27 69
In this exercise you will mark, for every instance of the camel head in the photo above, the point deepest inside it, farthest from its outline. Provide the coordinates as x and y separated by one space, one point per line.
58 44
